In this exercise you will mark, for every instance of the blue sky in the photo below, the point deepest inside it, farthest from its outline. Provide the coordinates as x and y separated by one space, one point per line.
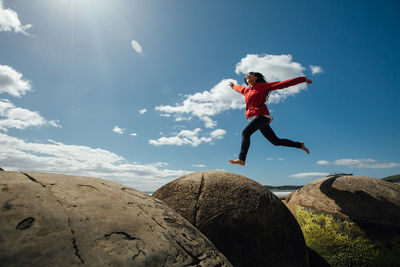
137 91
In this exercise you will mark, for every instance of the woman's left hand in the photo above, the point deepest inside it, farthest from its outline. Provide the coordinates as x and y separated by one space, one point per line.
308 81
231 84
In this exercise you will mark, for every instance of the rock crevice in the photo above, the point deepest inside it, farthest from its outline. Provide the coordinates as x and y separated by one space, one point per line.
33 179
74 243
125 235
25 223
197 207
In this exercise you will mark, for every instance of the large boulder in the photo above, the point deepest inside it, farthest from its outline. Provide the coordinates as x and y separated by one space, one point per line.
244 220
61 220
350 220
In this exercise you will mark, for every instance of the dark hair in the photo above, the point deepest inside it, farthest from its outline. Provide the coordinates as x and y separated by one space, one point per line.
260 77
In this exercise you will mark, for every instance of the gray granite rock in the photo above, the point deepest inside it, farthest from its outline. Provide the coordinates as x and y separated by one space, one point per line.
62 220
244 220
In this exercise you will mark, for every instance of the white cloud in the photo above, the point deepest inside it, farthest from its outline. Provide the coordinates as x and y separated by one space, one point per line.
142 111
199 165
360 163
218 134
187 137
133 134
316 69
352 161
17 154
11 82
274 68
306 175
365 163
118 130
9 21
380 165
177 118
280 159
136 46
206 104
20 118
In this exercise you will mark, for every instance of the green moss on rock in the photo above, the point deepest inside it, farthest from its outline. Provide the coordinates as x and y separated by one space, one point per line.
342 242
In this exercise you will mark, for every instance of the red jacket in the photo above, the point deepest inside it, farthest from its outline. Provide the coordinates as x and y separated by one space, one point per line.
256 95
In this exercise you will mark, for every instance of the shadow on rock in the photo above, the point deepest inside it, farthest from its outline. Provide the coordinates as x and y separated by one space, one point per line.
367 211
316 260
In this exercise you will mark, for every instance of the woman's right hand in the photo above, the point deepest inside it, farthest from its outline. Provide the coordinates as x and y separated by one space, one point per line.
231 84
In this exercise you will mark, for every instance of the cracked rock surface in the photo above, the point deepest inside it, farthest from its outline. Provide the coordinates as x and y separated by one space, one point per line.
62 220
243 219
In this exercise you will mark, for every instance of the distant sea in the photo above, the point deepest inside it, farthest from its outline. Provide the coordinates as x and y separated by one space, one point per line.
282 193
278 193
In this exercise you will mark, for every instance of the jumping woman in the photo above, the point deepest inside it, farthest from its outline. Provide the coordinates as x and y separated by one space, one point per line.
258 114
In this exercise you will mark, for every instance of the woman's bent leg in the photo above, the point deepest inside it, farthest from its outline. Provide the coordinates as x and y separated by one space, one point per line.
271 136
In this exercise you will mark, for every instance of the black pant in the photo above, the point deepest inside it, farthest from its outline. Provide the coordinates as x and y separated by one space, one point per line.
262 123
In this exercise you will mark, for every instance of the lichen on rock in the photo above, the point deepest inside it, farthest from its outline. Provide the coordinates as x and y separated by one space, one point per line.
350 220
340 242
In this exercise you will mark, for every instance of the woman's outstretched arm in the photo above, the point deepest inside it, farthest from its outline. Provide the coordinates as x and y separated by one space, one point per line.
240 88
288 83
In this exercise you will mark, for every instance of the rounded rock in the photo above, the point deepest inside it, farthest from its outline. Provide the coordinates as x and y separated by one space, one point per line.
244 220
350 220
63 220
